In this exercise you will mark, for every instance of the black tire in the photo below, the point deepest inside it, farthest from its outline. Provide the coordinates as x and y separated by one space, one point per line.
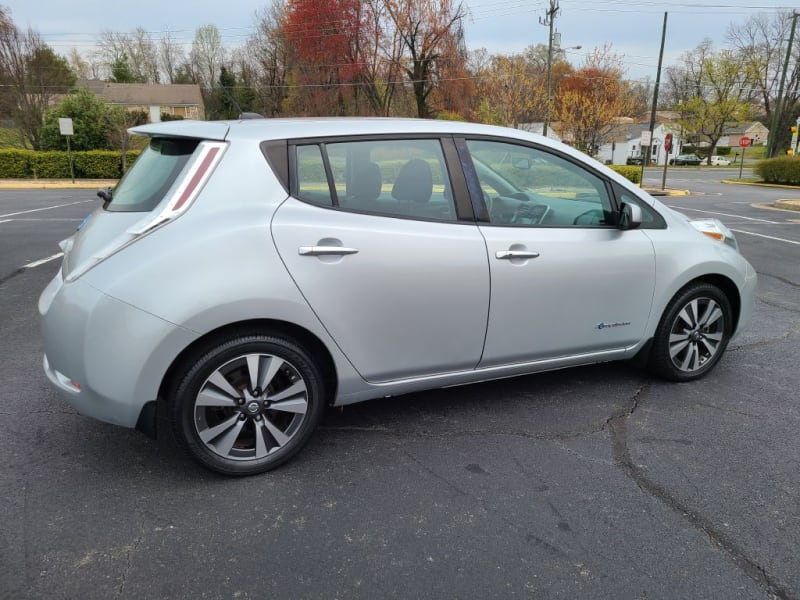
225 421
693 333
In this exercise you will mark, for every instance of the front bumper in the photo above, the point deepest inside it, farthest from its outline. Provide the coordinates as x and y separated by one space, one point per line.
106 358
748 296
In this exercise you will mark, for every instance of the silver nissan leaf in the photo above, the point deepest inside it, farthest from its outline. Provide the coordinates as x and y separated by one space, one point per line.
243 275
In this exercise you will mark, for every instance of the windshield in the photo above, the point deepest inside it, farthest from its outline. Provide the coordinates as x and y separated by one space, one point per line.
153 173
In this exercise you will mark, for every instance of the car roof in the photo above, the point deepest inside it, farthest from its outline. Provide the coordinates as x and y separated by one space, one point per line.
270 129
260 130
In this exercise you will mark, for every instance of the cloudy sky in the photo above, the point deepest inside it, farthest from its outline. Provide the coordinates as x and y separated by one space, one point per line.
633 27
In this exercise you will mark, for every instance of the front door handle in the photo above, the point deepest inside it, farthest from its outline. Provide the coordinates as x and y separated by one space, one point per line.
325 250
509 254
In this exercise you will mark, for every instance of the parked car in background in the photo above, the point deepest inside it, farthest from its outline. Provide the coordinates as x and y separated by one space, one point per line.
634 160
244 275
686 159
719 161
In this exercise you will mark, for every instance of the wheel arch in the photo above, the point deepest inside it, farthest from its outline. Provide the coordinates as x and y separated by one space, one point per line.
200 346
728 287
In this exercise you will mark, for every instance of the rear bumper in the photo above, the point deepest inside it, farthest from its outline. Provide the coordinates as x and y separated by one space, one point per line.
105 357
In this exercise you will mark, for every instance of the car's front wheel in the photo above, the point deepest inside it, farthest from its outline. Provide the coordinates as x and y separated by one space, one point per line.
693 333
248 404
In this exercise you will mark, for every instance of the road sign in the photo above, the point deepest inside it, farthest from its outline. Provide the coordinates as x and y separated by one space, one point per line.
744 141
65 126
647 137
668 142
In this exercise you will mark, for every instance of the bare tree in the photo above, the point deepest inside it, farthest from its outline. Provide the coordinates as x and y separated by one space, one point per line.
31 75
143 55
79 65
207 55
424 27
761 45
712 91
380 54
170 56
266 55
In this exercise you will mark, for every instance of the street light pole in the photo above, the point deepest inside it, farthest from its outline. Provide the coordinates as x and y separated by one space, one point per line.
549 19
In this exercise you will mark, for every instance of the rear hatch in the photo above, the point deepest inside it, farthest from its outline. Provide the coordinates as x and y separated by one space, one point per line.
159 187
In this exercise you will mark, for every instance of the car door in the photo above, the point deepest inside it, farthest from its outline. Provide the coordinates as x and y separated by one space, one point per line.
565 280
378 244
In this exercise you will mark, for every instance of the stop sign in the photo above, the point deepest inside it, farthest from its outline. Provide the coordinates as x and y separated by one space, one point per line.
744 142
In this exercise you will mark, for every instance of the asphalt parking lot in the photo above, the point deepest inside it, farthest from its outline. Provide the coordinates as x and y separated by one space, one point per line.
596 482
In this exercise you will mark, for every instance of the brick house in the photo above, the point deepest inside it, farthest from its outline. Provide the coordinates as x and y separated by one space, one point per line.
177 100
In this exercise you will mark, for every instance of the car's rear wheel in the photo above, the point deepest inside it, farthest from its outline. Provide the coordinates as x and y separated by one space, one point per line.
693 333
248 404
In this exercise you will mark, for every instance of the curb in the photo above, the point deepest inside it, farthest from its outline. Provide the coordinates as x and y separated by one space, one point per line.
787 204
766 185
666 192
55 184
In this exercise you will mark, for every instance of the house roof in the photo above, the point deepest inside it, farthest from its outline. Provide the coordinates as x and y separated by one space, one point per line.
144 94
740 128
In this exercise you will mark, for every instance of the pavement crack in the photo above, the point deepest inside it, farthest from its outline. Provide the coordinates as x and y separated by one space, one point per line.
778 305
775 340
618 426
518 433
779 278
11 275
731 410
128 562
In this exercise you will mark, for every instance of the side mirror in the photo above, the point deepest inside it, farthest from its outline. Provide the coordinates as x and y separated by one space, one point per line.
630 217
105 193
523 164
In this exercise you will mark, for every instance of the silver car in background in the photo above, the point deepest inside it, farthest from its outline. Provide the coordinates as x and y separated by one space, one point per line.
246 274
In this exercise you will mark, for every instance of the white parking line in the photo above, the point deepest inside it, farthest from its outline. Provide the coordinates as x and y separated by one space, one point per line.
769 237
42 261
24 212
680 208
6 220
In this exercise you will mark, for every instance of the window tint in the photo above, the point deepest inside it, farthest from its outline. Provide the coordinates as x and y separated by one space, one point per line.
390 177
312 183
526 186
153 173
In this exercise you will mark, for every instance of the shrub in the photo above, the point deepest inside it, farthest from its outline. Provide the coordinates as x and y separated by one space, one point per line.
633 174
92 164
783 169
50 165
15 164
723 150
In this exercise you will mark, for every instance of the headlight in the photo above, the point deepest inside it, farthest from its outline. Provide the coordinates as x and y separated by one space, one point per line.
716 230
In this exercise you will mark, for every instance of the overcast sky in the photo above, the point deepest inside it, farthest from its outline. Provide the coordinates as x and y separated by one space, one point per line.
633 27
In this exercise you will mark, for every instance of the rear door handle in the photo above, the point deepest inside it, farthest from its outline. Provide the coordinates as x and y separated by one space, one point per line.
325 250
509 254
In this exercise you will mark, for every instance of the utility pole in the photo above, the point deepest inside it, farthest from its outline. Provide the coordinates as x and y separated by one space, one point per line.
772 143
548 21
655 90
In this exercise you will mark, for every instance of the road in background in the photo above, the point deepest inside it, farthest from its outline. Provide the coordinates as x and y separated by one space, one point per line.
597 482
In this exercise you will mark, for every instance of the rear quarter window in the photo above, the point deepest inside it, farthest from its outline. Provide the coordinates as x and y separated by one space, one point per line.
153 173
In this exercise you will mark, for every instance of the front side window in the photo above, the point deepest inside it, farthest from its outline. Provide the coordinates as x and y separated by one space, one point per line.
405 178
153 173
527 186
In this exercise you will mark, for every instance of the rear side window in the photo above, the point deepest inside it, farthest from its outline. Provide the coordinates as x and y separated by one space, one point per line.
154 172
404 178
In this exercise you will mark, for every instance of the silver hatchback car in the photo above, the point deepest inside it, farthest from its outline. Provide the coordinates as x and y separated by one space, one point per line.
245 274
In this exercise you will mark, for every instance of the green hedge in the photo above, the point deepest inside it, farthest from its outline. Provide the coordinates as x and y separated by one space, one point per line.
15 164
631 173
783 169
92 164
